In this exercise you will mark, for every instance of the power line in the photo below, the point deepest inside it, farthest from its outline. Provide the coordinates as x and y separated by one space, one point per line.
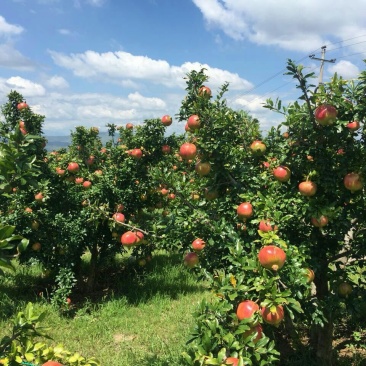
349 45
352 54
301 59
345 40
279 87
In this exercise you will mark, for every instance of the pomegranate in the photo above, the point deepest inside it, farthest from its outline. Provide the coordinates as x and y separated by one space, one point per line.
272 257
273 317
246 309
198 245
353 182
308 188
245 210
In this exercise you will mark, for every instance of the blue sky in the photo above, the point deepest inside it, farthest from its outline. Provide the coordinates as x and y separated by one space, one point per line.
93 62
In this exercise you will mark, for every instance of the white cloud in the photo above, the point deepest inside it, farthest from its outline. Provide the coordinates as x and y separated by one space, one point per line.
57 82
345 69
23 86
253 104
7 29
124 68
65 111
291 25
65 32
13 59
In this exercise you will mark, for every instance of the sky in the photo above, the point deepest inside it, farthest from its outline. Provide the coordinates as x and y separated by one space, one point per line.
93 62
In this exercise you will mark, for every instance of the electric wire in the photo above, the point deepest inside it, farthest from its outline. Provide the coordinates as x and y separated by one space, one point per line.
299 60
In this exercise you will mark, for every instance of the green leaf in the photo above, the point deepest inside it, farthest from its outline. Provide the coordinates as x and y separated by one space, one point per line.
6 232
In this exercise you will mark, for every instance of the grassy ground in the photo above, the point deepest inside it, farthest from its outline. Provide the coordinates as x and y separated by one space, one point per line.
140 316
143 319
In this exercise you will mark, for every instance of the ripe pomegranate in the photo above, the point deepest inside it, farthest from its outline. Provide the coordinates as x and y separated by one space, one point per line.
204 91
273 317
353 126
282 173
132 238
272 257
320 221
90 160
325 114
87 184
310 275
198 245
119 217
186 128
246 309
52 363
166 120
194 122
245 210
60 171
308 188
22 105
232 361
265 225
135 153
191 259
171 196
188 151
166 149
353 182
73 167
164 191
39 197
258 148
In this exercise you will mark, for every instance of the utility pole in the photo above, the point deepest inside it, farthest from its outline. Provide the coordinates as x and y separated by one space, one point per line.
322 60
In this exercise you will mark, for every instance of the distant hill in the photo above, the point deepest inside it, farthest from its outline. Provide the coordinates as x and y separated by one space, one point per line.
59 142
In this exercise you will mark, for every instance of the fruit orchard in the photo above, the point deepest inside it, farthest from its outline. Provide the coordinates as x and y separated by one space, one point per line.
274 223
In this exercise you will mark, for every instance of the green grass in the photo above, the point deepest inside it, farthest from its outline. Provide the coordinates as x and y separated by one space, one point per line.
137 316
143 319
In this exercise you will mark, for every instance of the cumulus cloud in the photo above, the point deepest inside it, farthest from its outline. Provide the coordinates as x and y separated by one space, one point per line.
291 25
9 56
13 59
7 29
91 109
345 69
124 68
23 86
64 111
57 82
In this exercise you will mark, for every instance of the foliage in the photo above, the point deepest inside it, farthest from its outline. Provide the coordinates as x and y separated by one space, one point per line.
21 346
9 242
170 201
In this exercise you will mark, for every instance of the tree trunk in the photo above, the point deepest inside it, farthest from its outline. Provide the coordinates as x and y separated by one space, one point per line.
93 268
322 337
324 352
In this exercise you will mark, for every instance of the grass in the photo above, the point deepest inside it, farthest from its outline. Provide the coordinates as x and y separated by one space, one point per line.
143 319
138 316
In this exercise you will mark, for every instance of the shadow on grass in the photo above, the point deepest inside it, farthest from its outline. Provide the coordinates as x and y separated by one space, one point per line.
19 288
164 276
